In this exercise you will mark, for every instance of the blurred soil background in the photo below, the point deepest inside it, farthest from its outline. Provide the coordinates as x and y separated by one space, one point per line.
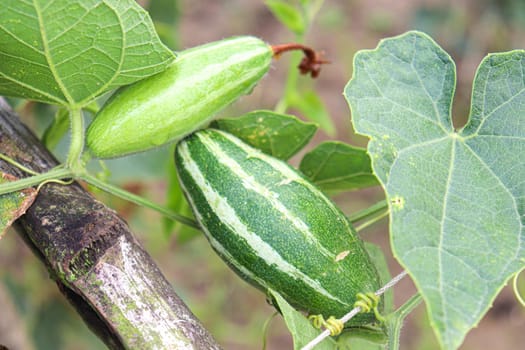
33 315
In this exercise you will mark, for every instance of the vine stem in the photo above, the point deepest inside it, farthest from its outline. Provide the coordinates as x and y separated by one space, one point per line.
396 322
291 80
371 221
353 312
368 212
58 173
17 165
290 86
77 139
119 192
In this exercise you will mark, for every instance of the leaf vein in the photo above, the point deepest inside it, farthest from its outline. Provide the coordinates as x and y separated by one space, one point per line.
440 281
30 87
47 54
20 40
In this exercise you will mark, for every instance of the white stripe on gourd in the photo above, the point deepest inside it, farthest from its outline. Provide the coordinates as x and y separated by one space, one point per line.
219 247
251 184
228 216
288 173
211 69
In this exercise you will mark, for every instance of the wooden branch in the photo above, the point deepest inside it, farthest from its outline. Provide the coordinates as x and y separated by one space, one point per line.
95 260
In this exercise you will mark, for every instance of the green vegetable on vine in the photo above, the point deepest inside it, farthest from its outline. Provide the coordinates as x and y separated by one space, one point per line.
273 227
188 94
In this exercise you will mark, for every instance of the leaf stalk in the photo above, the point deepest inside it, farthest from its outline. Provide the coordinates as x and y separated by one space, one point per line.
77 139
119 192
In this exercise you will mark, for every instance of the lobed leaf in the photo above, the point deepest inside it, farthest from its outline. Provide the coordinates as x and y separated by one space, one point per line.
457 198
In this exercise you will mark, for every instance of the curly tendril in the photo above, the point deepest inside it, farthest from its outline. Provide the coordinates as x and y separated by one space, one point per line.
369 302
332 324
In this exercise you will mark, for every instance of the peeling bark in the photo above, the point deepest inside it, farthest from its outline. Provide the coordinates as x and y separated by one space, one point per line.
95 260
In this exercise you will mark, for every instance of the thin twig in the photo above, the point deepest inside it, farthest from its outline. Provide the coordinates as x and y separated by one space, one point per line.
119 192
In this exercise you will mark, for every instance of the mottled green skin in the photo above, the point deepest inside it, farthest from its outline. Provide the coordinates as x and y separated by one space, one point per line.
342 279
167 106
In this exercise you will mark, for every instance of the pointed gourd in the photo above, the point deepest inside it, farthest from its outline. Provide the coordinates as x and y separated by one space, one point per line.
272 226
188 94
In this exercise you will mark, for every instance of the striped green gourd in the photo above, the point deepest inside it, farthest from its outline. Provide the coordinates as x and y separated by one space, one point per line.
272 226
169 105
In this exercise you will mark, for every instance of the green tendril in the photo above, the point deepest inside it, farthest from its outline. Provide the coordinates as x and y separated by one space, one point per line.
317 320
17 165
368 302
61 182
332 324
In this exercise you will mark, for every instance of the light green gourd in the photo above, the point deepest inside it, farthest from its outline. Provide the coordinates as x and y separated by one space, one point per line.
167 106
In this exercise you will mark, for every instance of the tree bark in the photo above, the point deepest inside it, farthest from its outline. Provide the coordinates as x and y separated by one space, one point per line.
94 259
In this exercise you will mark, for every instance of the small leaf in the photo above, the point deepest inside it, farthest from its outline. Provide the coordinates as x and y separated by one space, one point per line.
288 15
300 328
311 107
457 198
278 135
69 52
14 204
336 166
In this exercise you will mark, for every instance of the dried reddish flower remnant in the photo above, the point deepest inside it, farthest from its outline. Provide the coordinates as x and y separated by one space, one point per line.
311 62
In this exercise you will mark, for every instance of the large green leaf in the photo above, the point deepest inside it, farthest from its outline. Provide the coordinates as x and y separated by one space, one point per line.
457 198
68 52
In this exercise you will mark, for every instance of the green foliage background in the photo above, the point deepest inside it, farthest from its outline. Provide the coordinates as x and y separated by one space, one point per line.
232 310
